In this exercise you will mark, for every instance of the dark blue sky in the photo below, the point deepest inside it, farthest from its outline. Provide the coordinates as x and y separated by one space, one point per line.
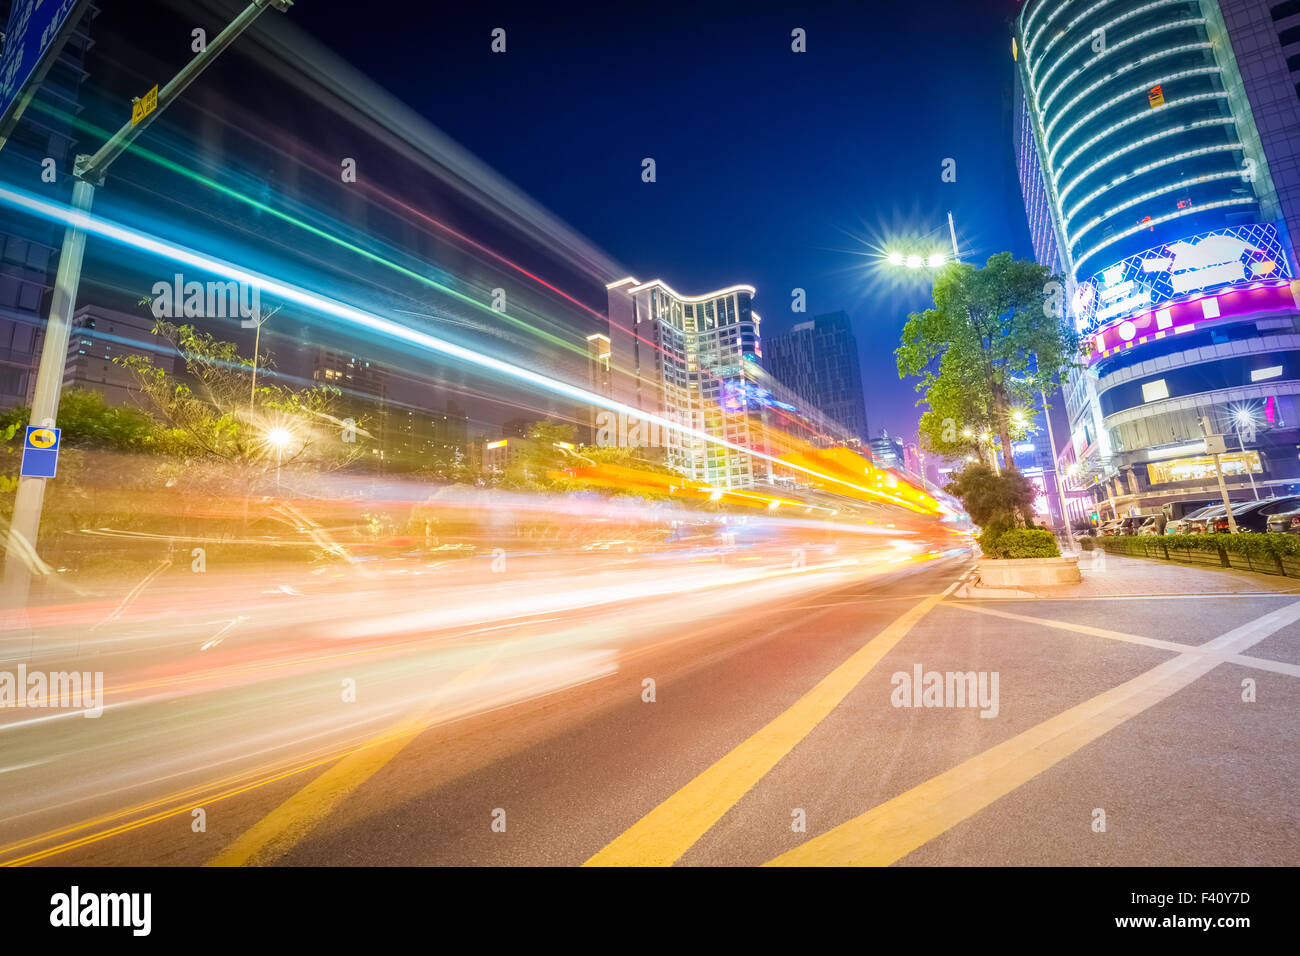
774 168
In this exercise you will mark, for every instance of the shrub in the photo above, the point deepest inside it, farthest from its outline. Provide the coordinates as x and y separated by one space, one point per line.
1019 543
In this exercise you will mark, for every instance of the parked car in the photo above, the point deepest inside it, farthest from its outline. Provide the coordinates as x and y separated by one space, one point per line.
1200 523
1253 515
1183 525
1153 525
1129 525
1110 528
1285 522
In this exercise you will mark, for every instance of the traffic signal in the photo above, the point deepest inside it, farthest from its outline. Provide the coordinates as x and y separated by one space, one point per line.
1096 518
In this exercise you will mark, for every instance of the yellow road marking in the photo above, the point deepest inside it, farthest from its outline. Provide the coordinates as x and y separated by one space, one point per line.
890 831
281 829
662 836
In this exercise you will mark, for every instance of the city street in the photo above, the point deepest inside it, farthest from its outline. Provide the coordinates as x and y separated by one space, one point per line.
1116 731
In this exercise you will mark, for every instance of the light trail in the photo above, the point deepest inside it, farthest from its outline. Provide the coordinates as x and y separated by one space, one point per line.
377 259
133 238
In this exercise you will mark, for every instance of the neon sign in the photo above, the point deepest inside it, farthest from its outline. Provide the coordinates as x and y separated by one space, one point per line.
1225 257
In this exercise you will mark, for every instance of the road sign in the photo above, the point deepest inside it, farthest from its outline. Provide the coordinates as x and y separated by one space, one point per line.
36 33
144 106
41 452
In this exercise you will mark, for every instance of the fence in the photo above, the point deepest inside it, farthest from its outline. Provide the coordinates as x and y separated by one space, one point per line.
1262 553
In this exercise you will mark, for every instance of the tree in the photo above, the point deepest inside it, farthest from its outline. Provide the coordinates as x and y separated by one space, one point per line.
543 451
993 500
87 421
994 340
208 412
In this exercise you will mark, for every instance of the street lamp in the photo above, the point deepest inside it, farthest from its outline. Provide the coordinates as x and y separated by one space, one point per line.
1243 419
279 439
88 174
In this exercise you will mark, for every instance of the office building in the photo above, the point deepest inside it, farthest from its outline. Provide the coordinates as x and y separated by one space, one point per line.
818 360
693 361
887 452
99 336
1157 143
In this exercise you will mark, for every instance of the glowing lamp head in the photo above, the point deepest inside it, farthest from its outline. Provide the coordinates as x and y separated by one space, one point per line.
936 260
895 258
915 262
279 437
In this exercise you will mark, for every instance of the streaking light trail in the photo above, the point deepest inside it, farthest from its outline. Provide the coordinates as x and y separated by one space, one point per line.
125 235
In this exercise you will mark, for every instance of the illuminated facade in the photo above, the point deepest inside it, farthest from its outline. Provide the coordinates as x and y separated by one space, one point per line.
672 355
694 361
1156 141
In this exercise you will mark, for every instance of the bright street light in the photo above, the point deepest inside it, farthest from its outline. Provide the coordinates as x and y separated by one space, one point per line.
895 258
915 262
936 260
279 438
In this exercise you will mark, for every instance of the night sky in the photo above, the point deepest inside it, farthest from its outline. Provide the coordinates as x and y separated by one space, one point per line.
779 169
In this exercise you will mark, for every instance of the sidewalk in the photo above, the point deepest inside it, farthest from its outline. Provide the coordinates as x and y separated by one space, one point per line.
1111 575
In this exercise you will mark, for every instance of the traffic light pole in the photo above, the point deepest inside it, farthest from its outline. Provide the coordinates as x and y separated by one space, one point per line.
88 172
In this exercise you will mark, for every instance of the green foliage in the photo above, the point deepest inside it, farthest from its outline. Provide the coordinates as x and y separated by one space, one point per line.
214 412
994 340
87 422
1246 543
993 500
1019 543
542 452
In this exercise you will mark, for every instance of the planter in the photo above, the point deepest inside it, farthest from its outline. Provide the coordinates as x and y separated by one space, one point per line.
1018 572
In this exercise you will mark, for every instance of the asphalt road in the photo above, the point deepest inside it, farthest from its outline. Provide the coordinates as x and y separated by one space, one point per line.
780 729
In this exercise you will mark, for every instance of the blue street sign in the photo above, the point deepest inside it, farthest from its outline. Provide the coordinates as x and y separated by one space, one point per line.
36 33
41 452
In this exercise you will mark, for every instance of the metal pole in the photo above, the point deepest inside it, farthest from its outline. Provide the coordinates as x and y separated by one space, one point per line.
1056 470
252 389
952 231
25 523
88 172
1223 490
1246 462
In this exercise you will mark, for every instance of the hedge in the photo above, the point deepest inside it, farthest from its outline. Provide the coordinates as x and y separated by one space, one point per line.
1019 543
1267 553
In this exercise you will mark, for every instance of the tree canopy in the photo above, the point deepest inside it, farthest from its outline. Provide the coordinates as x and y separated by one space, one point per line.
994 340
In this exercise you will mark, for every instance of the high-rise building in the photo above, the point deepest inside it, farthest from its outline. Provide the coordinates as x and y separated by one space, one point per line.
363 388
818 361
98 337
887 452
1157 144
682 357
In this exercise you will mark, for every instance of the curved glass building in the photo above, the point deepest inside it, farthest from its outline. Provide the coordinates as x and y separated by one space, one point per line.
1157 142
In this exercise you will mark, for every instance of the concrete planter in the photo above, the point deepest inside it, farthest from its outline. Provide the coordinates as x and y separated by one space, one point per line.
1018 572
